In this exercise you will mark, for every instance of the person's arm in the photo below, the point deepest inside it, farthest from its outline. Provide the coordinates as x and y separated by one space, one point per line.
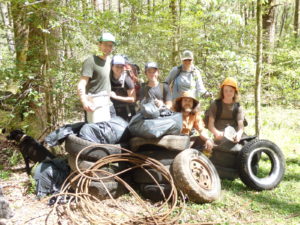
200 89
240 123
81 91
172 75
130 98
198 125
211 122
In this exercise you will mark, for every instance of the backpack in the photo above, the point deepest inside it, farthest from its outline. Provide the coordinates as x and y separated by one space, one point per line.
219 112
179 69
133 71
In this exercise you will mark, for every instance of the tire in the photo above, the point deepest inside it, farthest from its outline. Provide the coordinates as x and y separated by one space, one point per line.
170 142
82 164
74 145
98 190
248 162
140 176
226 154
154 192
162 155
196 176
227 173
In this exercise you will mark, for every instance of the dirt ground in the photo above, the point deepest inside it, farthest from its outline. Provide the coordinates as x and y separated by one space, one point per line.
27 209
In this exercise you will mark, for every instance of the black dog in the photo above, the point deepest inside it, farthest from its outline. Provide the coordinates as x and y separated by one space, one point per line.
30 148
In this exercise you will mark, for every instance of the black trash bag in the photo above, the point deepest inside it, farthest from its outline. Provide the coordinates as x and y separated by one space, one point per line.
155 128
149 110
58 136
120 126
50 175
109 132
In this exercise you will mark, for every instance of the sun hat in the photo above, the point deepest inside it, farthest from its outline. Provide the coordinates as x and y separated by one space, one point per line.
230 81
187 55
151 65
186 94
107 37
118 60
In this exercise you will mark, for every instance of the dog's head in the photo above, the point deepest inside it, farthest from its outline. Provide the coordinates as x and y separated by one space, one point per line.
15 135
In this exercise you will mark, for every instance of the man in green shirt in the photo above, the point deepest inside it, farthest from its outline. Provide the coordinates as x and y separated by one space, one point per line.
94 78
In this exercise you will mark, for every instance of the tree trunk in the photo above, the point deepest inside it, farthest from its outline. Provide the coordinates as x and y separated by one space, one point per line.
119 6
8 28
258 67
284 17
21 33
296 19
176 31
149 6
269 18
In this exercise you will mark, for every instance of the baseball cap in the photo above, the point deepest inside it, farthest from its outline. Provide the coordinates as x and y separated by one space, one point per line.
187 55
151 65
118 60
107 37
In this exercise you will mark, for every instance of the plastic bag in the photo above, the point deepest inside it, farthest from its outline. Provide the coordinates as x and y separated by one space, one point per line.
149 110
50 175
155 128
109 132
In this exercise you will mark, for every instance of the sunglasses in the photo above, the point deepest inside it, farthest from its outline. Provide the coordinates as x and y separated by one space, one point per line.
187 60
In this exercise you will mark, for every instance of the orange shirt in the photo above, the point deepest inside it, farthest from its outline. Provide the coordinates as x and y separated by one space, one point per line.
191 121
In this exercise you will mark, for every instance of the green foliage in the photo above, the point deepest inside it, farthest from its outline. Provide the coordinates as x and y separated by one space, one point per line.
216 31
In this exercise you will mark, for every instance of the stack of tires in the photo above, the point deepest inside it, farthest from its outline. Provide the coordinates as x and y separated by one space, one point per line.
87 159
192 172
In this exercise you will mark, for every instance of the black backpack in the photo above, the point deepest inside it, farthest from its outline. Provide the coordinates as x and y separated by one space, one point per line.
218 102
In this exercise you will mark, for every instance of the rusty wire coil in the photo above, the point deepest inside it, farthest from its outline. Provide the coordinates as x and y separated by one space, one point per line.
84 208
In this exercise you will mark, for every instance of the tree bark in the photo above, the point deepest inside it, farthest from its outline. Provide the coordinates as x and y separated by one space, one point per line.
176 31
284 17
296 19
269 19
8 28
258 68
21 33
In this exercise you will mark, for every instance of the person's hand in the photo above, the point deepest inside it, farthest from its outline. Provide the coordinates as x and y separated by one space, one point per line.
207 94
113 94
209 144
88 106
237 137
158 103
219 135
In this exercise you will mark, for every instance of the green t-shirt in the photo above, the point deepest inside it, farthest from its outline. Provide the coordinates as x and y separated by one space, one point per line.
98 71
226 117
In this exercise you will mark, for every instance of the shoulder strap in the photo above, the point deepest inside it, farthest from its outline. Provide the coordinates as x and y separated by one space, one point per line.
219 108
161 86
179 69
235 110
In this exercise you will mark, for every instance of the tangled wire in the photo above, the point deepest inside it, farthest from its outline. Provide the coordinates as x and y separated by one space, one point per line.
83 206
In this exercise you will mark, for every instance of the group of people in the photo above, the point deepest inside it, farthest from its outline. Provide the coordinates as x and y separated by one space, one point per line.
104 76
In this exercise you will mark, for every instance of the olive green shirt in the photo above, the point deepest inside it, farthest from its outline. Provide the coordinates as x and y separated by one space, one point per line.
98 71
226 117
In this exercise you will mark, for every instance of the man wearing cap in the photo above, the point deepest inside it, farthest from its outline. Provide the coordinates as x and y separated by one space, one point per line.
226 111
123 92
94 78
191 117
186 77
153 89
